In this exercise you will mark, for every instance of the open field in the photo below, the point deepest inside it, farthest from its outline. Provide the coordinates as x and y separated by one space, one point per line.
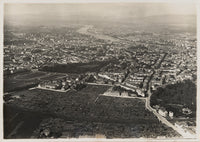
27 80
90 113
31 76
16 85
29 120
76 67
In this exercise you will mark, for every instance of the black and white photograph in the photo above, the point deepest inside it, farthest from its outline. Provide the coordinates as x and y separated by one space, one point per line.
99 70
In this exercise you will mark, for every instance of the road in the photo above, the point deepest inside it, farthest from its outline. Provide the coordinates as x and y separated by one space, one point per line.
141 98
100 84
43 88
162 119
181 131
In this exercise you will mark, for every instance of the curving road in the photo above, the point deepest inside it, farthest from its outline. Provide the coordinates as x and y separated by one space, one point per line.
181 131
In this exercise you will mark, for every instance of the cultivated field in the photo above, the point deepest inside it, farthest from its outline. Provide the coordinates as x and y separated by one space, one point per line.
86 112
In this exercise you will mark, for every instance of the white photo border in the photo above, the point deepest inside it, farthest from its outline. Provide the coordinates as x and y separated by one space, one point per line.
196 2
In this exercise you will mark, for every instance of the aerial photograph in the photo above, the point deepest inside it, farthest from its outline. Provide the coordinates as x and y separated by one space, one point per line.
99 70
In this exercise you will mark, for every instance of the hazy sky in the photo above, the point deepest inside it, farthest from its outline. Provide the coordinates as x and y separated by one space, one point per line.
22 12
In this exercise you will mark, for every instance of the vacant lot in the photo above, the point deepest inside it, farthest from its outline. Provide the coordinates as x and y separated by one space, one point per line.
85 112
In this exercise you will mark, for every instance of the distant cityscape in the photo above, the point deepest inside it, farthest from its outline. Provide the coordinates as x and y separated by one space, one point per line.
88 80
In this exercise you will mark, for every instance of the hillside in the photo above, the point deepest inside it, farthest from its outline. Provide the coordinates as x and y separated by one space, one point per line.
176 96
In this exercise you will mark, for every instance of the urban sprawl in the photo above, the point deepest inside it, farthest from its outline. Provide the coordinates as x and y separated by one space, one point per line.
132 64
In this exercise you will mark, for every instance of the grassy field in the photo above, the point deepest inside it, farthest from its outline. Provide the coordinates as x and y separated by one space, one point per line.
27 80
77 67
31 75
85 112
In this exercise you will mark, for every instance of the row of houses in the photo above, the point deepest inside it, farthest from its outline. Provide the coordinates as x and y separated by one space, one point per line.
163 112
